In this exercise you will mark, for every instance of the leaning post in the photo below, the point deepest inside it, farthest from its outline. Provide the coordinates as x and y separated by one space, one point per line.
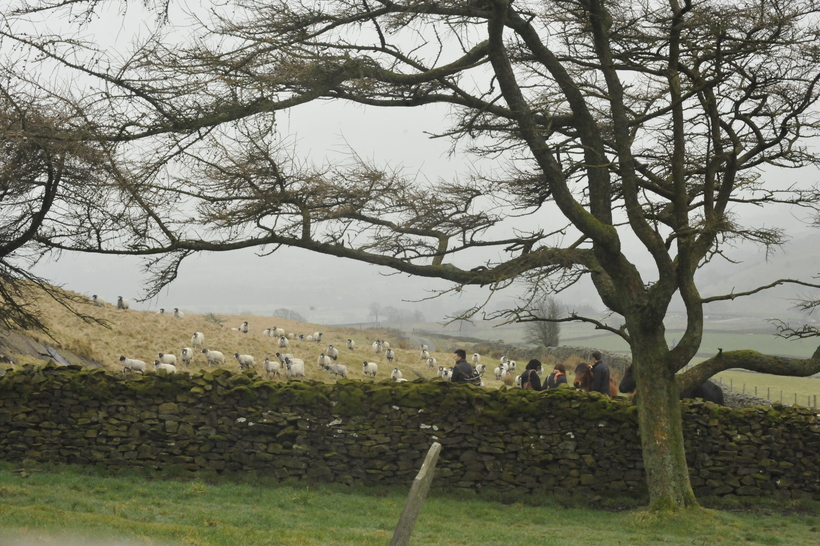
418 491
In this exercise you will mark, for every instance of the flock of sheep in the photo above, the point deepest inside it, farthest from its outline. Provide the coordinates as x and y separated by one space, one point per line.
284 364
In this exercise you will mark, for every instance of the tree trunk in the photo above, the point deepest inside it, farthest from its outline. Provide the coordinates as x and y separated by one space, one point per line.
659 417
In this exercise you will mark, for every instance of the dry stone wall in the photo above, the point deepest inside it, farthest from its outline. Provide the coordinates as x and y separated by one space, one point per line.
560 442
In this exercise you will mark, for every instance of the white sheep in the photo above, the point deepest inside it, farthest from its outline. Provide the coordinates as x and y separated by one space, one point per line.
214 358
186 356
498 371
324 361
508 377
424 347
161 311
178 314
425 354
476 359
198 340
480 369
431 362
337 370
317 337
244 328
272 367
166 358
390 355
385 344
295 366
97 301
170 368
377 347
332 352
123 303
308 337
283 356
351 344
283 342
445 373
245 361
511 365
395 374
267 332
129 364
291 336
370 368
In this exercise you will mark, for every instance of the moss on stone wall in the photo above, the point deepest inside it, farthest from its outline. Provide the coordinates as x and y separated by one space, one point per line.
561 441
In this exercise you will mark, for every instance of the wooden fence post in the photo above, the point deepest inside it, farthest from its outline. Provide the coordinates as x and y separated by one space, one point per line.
418 491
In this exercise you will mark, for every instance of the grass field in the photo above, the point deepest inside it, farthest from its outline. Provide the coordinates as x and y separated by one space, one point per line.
71 505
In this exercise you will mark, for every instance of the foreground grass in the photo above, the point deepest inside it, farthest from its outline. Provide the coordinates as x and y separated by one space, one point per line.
72 505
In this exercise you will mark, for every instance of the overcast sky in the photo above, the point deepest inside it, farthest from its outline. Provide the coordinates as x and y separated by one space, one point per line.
326 289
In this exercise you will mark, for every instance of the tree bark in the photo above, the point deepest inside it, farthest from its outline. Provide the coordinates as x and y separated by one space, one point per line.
661 429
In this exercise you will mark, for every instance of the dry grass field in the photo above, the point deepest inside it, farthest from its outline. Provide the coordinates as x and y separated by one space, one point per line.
143 335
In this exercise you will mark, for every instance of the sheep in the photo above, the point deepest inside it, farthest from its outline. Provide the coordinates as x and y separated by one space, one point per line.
317 337
300 337
476 359
97 301
400 380
283 356
245 361
324 361
396 374
186 356
480 369
161 311
499 370
511 365
377 347
291 336
283 342
445 373
337 370
178 314
170 368
295 366
123 303
332 352
267 332
244 328
278 332
385 345
214 358
425 354
518 381
351 344
503 359
508 377
390 355
431 362
166 358
370 368
198 340
424 347
309 337
132 365
272 367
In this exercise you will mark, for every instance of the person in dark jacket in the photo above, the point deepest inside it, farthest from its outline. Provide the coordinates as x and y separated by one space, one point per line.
600 375
462 371
531 374
557 377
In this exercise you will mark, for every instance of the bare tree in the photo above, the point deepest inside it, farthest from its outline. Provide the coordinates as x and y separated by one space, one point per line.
644 121
544 329
49 177
375 311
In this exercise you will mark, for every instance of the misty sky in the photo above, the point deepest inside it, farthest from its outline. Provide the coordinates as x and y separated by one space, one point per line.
332 290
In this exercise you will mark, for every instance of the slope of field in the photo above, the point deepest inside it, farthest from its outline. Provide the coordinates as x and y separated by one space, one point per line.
143 335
